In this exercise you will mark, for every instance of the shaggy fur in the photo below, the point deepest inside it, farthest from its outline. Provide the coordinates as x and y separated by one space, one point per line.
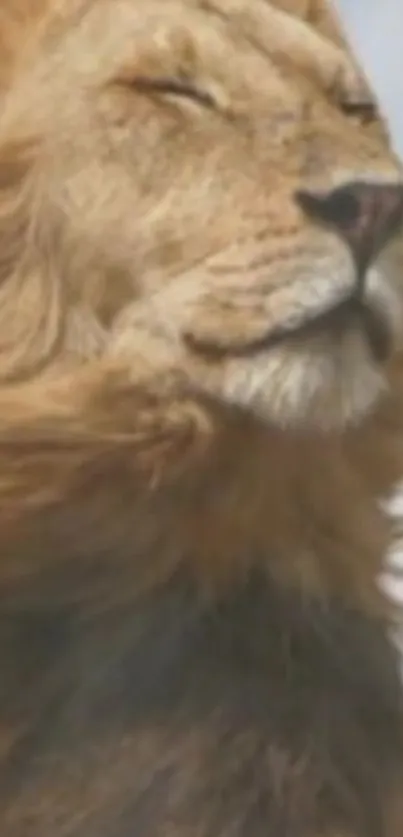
192 638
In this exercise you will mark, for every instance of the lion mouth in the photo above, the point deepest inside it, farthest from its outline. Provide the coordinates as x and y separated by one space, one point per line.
352 312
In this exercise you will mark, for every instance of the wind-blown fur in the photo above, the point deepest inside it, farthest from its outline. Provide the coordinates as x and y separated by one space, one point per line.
192 637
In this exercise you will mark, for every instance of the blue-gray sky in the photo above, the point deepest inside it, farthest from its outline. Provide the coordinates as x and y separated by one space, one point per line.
376 30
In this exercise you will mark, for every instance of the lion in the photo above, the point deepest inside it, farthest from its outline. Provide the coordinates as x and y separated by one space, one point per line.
201 408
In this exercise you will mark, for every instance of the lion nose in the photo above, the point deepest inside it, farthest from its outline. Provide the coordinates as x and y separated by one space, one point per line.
366 215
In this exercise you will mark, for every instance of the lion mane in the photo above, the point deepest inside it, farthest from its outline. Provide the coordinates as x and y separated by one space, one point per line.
193 640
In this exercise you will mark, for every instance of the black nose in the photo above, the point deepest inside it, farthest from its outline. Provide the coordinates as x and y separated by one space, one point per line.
366 215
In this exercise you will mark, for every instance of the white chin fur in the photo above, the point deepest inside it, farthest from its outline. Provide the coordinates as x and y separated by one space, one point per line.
323 382
323 386
383 296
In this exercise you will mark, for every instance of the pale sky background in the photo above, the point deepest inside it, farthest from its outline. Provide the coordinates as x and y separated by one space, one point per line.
376 30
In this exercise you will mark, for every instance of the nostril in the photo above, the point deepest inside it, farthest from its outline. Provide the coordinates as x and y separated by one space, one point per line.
366 215
339 208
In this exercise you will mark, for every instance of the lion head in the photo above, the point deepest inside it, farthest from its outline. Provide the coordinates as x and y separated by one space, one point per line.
206 186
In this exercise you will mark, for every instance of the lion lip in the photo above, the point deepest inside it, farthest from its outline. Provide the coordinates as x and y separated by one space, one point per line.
352 311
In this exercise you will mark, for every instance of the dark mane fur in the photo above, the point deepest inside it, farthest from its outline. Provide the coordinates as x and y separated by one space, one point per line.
192 638
145 693
162 716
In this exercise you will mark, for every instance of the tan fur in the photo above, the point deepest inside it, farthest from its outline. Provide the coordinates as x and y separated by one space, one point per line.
102 234
129 221
138 230
20 20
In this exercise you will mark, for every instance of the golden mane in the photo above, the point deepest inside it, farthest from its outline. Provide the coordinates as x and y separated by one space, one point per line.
19 22
201 406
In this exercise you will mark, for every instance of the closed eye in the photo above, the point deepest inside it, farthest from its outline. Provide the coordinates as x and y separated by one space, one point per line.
172 86
366 111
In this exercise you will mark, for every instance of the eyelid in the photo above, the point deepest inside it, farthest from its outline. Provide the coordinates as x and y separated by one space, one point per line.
174 87
367 110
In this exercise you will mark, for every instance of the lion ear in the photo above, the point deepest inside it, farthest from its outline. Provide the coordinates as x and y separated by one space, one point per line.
29 281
